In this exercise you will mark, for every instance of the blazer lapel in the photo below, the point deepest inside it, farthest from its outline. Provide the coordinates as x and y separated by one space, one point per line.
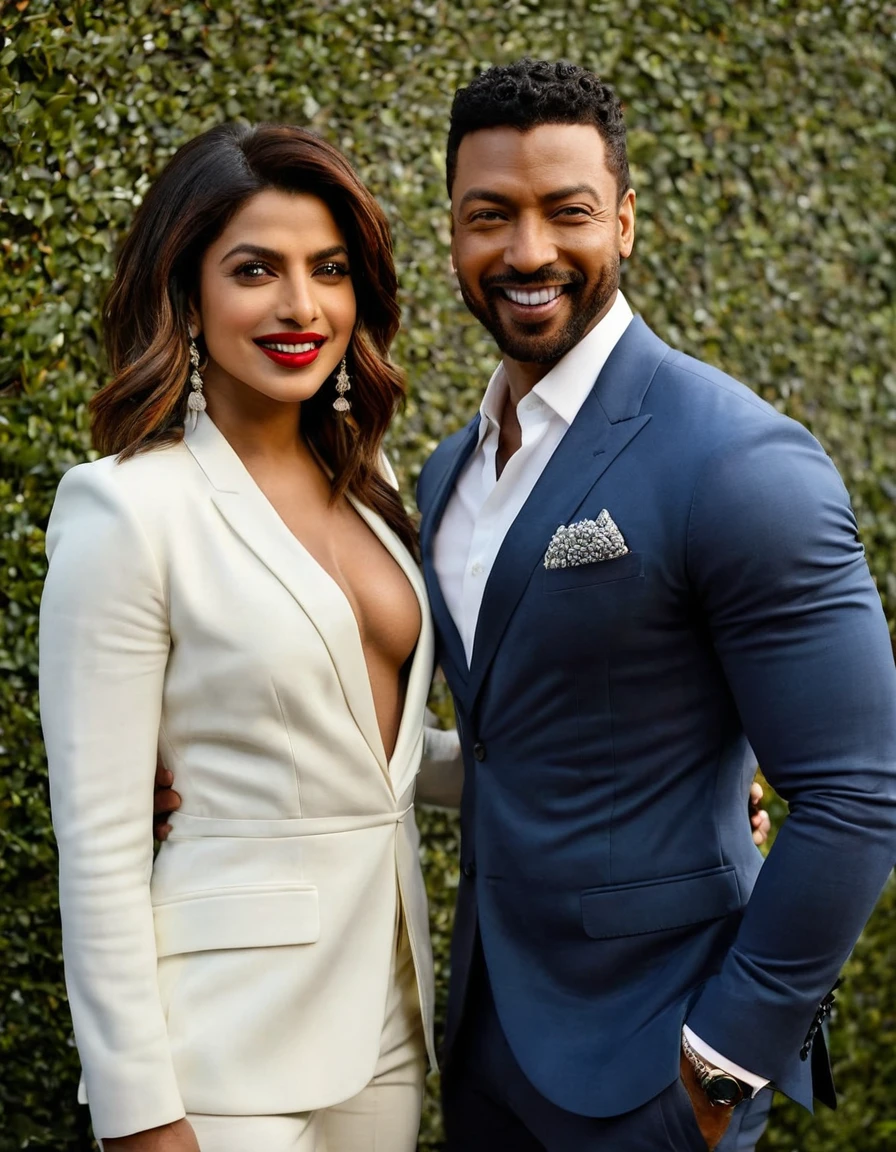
432 516
405 761
253 518
606 424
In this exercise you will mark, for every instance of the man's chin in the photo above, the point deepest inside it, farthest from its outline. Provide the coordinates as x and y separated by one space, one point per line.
532 349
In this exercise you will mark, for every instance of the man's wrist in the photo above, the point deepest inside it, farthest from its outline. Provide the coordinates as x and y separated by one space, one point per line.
721 1088
716 1059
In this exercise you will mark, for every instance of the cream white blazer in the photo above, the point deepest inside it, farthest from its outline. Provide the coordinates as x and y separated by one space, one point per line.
245 970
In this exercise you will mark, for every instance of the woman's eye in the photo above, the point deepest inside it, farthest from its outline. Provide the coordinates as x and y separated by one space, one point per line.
254 270
332 270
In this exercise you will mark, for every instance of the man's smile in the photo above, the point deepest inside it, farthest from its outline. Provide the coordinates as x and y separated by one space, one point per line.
532 296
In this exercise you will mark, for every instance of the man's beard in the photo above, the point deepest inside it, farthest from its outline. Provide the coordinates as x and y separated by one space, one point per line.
531 347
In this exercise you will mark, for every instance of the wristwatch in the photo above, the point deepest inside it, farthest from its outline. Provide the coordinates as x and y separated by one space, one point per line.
722 1089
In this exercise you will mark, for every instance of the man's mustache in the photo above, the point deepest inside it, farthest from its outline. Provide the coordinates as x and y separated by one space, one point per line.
544 275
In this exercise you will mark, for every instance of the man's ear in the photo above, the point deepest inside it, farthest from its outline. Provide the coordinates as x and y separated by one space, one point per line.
627 224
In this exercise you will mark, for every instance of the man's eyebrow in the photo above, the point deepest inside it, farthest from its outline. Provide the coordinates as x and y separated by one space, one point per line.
491 197
573 190
485 194
275 257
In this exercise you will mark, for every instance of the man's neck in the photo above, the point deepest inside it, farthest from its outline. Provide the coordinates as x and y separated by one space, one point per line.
521 379
510 435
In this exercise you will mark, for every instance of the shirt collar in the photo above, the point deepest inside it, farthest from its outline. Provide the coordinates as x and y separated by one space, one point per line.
568 383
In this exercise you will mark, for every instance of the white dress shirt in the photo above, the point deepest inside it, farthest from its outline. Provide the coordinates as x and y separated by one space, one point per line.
483 505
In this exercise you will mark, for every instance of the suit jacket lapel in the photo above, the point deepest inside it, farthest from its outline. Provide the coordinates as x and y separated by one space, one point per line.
253 518
405 757
432 516
606 423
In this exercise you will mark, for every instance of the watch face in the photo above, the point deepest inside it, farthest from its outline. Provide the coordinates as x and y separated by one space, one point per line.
724 1090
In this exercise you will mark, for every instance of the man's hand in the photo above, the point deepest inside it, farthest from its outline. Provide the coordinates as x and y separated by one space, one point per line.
176 1137
712 1119
759 818
165 801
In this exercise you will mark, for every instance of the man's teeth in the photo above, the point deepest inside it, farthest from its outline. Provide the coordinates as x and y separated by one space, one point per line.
294 348
541 296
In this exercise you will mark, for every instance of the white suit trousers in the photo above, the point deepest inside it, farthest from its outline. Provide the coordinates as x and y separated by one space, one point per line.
383 1117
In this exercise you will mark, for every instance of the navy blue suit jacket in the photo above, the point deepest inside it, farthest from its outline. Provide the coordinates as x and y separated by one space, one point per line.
606 854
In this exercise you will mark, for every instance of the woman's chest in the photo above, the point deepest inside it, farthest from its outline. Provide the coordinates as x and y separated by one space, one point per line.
376 589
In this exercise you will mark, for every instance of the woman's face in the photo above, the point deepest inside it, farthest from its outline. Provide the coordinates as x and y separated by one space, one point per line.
276 302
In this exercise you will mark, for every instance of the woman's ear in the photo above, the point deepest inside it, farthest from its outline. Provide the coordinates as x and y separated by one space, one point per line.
194 322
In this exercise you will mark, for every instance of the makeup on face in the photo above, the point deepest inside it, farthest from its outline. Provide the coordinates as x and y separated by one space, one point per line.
276 301
291 349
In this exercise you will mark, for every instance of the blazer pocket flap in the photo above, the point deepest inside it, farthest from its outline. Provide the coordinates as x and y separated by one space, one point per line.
238 918
627 567
658 905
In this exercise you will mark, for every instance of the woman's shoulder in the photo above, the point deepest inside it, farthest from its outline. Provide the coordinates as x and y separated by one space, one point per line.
147 474
142 487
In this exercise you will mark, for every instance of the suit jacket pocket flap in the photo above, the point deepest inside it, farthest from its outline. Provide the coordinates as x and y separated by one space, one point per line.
658 905
627 567
238 918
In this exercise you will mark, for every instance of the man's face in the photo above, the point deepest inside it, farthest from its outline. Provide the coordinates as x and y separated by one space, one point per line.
538 234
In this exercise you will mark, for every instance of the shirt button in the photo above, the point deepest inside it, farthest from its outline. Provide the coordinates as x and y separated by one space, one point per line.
479 751
476 569
469 870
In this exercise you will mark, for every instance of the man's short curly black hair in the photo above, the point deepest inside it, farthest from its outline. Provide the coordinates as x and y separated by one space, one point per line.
529 93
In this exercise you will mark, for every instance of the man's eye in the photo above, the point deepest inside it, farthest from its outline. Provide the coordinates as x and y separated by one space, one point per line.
573 210
486 216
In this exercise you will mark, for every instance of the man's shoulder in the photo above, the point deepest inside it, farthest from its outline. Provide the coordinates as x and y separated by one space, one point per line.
718 408
442 458
706 385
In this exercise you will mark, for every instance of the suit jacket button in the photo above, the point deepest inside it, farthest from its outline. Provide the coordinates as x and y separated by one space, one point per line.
479 750
469 870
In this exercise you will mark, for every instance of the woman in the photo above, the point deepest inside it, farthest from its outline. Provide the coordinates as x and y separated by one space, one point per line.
233 584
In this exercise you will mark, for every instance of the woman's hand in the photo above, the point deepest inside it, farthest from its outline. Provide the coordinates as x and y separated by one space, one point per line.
759 818
166 801
176 1137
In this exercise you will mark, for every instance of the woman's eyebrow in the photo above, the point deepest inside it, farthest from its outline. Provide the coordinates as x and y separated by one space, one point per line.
253 250
270 254
328 253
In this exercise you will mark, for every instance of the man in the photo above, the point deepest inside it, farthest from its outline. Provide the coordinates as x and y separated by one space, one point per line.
634 565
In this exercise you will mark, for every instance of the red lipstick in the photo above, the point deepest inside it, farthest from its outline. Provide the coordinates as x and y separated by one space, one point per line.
291 349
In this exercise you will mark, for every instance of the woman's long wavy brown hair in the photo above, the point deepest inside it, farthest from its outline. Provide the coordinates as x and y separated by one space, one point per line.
146 315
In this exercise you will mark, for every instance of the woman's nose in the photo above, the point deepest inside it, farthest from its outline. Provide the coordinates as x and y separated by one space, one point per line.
298 301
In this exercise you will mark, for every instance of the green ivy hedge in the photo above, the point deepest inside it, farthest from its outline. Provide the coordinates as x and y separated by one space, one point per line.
764 158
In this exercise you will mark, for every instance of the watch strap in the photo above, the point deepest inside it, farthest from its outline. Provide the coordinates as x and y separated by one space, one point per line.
721 1087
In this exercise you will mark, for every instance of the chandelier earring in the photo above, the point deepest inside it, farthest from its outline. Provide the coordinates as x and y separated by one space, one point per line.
196 399
343 384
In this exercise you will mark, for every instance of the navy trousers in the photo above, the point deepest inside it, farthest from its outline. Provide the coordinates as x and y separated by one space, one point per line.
489 1104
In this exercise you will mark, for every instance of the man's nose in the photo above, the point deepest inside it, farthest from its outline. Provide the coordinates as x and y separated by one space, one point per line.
531 247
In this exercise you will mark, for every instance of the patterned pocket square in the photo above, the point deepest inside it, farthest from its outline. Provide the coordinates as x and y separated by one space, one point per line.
585 542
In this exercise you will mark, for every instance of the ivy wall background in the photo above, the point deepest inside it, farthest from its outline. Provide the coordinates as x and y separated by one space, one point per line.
764 156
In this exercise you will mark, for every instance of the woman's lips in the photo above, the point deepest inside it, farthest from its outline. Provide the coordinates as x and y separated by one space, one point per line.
291 359
290 349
